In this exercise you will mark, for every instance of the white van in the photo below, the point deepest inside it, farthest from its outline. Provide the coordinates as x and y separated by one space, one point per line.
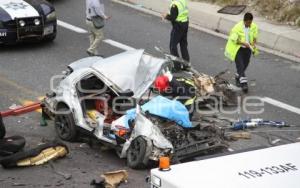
275 167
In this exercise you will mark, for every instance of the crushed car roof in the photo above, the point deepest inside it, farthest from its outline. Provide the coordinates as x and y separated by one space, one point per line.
132 70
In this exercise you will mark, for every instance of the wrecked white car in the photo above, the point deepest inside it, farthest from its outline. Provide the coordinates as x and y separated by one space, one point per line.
109 99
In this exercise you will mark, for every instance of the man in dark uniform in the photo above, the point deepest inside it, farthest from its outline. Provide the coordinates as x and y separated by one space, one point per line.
181 89
179 17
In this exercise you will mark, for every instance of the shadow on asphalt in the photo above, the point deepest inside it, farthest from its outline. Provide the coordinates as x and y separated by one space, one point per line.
57 2
25 46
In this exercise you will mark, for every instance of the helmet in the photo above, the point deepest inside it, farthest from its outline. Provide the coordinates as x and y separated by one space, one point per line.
161 83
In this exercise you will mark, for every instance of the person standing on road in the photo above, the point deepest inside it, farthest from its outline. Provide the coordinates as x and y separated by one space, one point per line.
179 17
95 17
240 45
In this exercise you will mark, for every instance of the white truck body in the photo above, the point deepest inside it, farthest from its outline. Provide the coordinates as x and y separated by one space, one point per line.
275 167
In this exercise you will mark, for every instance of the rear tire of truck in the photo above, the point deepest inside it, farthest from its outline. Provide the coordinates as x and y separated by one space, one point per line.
64 125
136 154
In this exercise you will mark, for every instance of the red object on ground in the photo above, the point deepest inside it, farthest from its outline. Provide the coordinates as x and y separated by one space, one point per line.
21 110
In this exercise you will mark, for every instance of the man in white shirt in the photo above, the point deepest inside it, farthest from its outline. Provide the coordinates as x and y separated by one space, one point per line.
240 46
94 8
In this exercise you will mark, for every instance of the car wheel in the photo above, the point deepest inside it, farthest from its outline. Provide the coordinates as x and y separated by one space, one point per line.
11 145
65 126
50 38
136 153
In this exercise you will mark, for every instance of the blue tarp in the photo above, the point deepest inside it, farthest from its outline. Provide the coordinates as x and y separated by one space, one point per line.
166 108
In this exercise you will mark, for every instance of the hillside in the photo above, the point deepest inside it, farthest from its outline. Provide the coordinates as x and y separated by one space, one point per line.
282 11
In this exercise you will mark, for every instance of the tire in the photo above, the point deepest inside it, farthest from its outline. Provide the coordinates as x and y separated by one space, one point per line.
65 126
11 145
50 38
136 154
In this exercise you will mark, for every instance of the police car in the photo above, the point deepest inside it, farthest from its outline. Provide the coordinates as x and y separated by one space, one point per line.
26 20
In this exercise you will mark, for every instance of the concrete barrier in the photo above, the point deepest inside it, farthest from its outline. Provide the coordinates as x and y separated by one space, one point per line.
276 37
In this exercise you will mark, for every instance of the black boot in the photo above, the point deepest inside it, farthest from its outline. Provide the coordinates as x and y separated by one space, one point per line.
237 82
245 87
244 84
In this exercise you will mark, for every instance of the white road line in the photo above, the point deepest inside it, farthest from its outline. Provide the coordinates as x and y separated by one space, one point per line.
80 30
281 105
71 27
118 44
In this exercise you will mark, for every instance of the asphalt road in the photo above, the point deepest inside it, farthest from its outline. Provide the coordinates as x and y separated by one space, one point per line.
25 71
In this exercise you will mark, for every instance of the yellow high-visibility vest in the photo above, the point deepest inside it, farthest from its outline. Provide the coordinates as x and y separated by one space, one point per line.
191 83
187 81
183 12
237 34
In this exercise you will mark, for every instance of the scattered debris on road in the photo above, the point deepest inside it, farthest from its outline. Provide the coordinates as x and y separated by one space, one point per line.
115 178
64 175
111 179
12 155
252 123
19 184
37 156
238 135
14 106
16 110
9 145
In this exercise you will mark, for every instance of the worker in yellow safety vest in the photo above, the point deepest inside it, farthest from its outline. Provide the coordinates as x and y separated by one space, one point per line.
240 45
179 17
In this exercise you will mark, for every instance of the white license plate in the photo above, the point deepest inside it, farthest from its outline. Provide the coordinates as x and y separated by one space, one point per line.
48 30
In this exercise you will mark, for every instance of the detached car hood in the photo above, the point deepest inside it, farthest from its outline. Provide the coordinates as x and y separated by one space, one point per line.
131 70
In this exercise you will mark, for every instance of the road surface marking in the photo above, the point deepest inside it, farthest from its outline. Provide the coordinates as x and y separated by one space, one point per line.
279 131
83 31
281 105
71 27
23 89
118 44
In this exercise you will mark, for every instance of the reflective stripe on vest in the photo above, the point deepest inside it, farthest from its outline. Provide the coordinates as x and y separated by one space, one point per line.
237 34
243 80
187 81
183 12
190 101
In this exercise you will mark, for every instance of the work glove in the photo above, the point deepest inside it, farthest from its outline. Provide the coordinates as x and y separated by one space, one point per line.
169 75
